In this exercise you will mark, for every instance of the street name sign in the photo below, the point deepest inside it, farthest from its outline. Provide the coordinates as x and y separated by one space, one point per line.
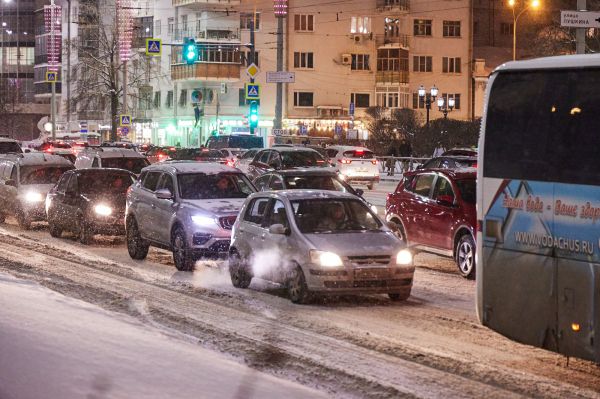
281 77
580 19
252 91
153 47
125 120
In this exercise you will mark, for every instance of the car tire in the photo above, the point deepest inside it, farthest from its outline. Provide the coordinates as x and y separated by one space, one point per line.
399 296
84 233
398 229
241 276
136 245
54 230
183 261
297 287
23 221
371 186
465 256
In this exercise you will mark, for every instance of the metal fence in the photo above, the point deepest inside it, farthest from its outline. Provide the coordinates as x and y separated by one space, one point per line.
399 165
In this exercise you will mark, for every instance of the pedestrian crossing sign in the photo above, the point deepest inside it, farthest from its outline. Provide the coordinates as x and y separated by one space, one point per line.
252 91
153 46
52 76
124 120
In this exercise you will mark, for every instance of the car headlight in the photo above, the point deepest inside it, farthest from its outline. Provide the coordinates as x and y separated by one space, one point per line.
203 220
326 259
404 257
34 196
103 210
342 176
374 209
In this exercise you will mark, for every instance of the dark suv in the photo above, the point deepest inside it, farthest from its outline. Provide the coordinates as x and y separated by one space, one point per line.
280 157
434 211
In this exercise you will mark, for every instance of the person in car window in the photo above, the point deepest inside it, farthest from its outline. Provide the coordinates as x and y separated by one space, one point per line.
335 218
223 187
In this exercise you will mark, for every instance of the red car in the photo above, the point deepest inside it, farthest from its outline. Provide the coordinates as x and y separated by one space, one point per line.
434 211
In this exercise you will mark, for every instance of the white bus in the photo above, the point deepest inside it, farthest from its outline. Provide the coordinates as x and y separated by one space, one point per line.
538 204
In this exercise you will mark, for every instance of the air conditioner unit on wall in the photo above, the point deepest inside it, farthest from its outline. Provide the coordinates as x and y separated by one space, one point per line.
358 39
346 59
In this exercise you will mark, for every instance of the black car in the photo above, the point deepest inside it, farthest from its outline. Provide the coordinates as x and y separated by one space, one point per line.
88 202
450 162
307 179
199 155
281 158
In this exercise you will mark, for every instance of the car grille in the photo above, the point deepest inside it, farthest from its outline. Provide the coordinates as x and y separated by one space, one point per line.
227 222
369 283
220 246
376 260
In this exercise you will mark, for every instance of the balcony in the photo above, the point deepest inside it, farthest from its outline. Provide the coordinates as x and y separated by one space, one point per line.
399 41
207 71
199 4
392 77
224 35
392 5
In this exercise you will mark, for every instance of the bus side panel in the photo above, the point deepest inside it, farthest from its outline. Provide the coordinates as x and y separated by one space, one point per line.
520 306
578 308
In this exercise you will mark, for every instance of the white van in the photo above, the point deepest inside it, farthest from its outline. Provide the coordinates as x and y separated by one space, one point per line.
109 157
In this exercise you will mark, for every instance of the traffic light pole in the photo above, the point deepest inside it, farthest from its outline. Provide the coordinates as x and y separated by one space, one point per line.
279 95
252 57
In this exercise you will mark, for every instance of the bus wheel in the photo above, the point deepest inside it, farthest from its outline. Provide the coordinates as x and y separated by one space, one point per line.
465 256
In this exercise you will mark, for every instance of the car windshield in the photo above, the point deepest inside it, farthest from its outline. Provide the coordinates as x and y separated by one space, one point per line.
98 182
6 147
295 159
42 174
196 186
334 216
467 188
134 165
329 183
249 154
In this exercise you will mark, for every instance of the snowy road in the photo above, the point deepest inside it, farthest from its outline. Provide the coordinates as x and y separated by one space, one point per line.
431 346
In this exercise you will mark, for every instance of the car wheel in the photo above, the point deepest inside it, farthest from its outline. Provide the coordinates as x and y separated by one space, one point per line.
136 245
84 233
465 256
23 221
183 261
54 230
370 186
241 277
397 228
297 288
396 297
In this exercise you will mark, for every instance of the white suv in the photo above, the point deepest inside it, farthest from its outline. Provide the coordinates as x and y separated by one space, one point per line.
355 164
186 207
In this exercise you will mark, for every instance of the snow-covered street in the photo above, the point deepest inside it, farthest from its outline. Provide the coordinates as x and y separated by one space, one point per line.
166 326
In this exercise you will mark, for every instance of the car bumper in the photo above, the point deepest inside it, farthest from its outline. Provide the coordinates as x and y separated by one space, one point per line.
112 226
209 246
35 212
360 280
359 178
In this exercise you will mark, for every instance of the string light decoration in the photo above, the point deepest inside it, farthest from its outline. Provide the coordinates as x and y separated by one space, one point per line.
52 22
280 7
125 28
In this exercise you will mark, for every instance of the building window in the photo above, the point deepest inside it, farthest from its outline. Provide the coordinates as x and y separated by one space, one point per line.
303 60
198 22
183 97
451 28
304 23
170 99
170 24
392 97
456 97
422 63
360 25
506 29
247 58
360 100
246 19
303 99
146 29
422 27
184 22
360 62
157 99
451 64
392 27
157 29
418 102
392 60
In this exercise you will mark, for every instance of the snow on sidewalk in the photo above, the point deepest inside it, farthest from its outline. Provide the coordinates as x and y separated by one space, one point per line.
52 346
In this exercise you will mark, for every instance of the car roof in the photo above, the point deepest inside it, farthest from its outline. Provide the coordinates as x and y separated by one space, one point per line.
8 140
191 167
294 195
348 148
102 170
305 172
457 157
455 174
561 61
291 149
113 152
36 159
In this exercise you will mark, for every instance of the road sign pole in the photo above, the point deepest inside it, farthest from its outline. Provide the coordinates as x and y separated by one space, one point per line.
279 95
252 54
53 110
580 32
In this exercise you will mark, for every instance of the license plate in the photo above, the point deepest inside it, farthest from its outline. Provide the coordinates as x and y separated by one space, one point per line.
371 274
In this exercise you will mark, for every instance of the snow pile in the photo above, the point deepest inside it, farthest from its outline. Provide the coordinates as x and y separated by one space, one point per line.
53 346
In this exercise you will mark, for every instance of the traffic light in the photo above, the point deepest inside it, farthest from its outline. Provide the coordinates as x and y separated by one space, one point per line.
253 115
190 51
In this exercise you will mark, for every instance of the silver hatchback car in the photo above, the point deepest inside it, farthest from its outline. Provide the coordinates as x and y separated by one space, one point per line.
315 241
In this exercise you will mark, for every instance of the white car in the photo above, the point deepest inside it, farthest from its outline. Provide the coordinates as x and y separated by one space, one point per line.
355 164
245 159
231 154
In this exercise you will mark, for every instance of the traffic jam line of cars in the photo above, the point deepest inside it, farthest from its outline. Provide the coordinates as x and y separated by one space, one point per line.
290 201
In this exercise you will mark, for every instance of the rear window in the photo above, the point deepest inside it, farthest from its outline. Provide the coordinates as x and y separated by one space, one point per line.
10 146
357 154
299 159
196 154
549 131
42 175
329 183
134 165
469 163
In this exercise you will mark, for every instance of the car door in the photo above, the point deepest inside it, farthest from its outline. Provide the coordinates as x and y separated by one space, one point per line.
442 214
417 229
163 209
276 183
146 206
262 183
260 164
252 231
56 198
277 245
69 210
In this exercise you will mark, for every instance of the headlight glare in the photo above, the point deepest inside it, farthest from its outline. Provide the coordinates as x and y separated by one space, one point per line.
33 196
103 210
374 209
201 220
404 257
326 259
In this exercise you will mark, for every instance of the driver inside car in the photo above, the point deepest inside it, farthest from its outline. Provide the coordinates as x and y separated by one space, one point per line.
335 218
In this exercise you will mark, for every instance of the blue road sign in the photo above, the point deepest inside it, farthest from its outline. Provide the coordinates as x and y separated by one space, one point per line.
351 109
252 91
124 130
153 46
125 120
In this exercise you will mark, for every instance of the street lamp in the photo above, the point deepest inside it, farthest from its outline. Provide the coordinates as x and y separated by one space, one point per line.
534 4
428 98
446 107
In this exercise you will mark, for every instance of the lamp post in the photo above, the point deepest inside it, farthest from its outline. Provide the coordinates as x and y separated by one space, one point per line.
534 4
446 107
429 98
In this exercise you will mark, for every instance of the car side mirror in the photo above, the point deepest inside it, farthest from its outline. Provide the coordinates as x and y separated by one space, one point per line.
277 229
164 193
359 192
10 182
445 200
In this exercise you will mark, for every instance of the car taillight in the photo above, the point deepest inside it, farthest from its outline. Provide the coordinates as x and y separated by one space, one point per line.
344 161
475 165
230 163
374 161
49 149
